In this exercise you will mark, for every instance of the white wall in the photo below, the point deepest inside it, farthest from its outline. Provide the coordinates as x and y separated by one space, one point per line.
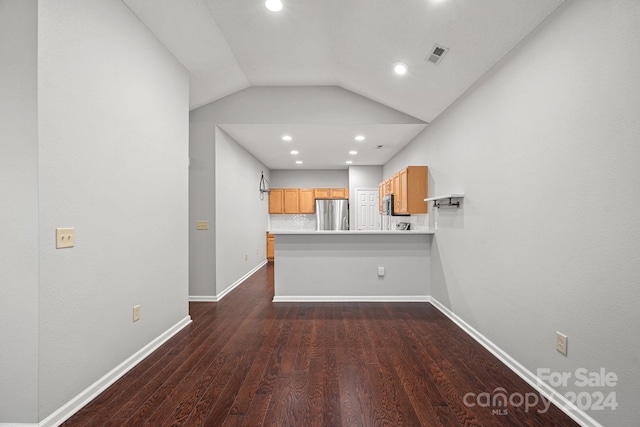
325 267
545 148
18 212
202 207
113 136
299 104
309 178
241 215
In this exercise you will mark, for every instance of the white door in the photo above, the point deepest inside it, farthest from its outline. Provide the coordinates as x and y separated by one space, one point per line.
367 215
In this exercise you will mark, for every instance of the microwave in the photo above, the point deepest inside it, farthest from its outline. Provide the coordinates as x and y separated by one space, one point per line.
388 206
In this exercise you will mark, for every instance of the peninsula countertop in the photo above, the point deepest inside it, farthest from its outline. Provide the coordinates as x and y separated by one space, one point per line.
353 232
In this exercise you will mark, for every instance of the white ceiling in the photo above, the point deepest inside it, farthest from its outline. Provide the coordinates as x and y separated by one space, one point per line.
323 146
229 45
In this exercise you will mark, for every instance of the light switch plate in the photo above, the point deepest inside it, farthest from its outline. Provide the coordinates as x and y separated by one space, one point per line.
64 238
202 225
561 343
136 313
380 271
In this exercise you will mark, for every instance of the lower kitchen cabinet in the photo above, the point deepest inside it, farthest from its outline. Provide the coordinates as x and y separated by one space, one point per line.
270 247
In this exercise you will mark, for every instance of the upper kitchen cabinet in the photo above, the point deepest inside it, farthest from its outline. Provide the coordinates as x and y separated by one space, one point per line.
276 201
332 193
339 193
301 200
411 190
306 200
322 193
291 201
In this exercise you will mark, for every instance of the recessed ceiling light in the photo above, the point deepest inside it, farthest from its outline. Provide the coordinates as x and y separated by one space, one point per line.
348 162
353 152
400 68
360 138
286 138
294 152
273 5
298 162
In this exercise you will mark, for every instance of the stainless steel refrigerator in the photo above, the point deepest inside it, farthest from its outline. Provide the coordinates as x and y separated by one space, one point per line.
332 214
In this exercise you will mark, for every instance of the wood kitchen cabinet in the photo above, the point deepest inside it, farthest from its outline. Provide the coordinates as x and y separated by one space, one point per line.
339 193
381 194
270 247
306 200
409 189
395 189
412 186
332 193
301 200
276 201
291 201
322 193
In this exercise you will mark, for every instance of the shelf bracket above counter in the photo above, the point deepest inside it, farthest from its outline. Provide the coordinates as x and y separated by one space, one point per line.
438 201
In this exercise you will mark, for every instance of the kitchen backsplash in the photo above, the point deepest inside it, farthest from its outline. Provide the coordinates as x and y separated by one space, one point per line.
305 222
418 222
302 222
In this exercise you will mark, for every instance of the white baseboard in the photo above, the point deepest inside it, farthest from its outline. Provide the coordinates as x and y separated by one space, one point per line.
203 298
19 425
75 404
541 387
216 298
358 298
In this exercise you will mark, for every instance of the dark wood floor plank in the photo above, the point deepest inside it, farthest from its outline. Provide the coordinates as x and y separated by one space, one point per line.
206 368
296 338
331 406
274 364
249 387
246 361
207 339
419 396
254 416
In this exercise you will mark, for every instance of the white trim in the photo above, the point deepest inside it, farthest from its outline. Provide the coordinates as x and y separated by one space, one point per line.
357 298
543 388
216 298
18 424
91 392
203 298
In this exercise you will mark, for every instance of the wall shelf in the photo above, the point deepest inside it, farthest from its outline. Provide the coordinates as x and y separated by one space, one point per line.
437 203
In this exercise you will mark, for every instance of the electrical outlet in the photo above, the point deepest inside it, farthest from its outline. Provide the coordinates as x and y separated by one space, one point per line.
380 271
136 313
202 225
64 238
561 343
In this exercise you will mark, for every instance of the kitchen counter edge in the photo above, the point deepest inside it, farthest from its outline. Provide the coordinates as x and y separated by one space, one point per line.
353 232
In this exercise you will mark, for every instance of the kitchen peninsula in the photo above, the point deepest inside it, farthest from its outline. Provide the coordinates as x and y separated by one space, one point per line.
352 265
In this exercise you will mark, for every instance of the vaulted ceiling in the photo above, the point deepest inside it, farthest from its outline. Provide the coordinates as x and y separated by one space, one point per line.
229 45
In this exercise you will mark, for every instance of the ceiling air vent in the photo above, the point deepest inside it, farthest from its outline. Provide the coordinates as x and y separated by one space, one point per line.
436 54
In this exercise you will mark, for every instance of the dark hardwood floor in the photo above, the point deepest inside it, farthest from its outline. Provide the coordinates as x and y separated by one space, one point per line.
246 361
